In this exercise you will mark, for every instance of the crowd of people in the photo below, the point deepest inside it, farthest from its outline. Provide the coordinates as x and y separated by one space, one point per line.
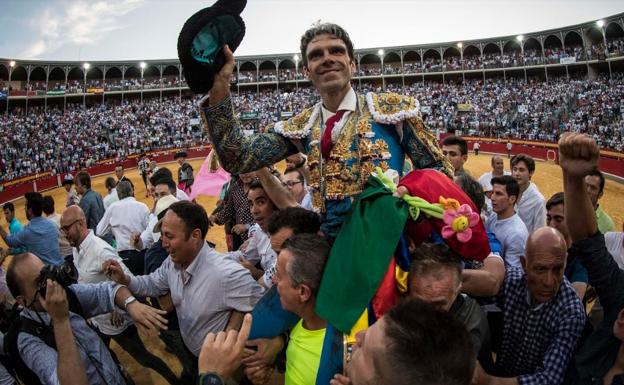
375 257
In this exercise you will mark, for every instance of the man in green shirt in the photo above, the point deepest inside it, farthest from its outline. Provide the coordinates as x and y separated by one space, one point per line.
595 183
300 265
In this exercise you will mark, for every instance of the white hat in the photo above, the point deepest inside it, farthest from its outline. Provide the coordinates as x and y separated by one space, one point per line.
161 208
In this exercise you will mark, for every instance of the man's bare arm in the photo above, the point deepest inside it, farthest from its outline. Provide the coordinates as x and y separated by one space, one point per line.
275 190
484 282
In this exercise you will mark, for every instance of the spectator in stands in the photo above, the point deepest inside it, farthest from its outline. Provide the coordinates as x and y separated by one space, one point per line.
14 226
72 195
119 173
530 206
122 219
498 169
91 202
40 236
89 253
574 270
504 222
218 293
436 277
50 213
598 358
543 316
110 183
595 182
456 151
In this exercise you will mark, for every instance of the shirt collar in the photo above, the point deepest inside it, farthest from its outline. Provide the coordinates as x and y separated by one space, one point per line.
195 265
86 242
348 103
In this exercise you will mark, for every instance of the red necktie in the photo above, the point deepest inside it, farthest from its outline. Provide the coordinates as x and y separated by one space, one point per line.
326 140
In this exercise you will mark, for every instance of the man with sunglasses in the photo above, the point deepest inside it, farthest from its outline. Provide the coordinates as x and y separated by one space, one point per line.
294 181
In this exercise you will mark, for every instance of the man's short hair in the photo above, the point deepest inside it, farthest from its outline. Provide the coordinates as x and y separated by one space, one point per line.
511 185
425 346
12 280
162 172
193 215
429 258
84 178
456 140
171 185
124 189
299 173
110 183
472 188
254 185
600 175
298 219
528 160
555 200
34 202
309 255
48 205
119 166
9 206
325 29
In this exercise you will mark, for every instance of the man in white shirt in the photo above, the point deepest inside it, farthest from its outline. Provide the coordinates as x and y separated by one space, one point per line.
90 252
164 188
123 218
504 222
110 183
531 206
165 173
258 250
498 169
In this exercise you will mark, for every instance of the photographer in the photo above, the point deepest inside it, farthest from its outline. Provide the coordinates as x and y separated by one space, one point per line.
54 343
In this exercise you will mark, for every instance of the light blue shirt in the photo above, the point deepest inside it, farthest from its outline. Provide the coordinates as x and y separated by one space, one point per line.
95 299
40 237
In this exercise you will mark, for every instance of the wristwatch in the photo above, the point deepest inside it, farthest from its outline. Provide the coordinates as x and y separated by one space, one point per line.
210 379
128 301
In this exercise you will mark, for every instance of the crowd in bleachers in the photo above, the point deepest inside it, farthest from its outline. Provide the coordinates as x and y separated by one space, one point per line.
60 141
535 110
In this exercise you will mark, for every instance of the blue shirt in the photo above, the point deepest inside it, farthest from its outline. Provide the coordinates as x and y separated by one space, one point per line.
94 299
15 227
40 237
538 340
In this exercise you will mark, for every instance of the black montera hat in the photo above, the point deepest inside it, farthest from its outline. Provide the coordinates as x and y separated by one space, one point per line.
202 38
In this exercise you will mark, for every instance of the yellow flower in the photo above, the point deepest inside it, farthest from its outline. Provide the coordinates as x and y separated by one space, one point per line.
449 203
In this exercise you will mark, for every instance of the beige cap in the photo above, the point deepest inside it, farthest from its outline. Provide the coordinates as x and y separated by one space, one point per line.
161 208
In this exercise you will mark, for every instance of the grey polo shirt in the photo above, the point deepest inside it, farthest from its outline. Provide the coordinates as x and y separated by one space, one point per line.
204 294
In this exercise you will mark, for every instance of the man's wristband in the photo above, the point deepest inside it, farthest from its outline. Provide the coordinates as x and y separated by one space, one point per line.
210 379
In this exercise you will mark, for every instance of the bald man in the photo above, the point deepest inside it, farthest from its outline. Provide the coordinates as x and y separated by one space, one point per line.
498 169
90 252
543 316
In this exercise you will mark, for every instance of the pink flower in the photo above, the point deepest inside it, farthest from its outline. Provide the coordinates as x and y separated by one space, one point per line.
459 222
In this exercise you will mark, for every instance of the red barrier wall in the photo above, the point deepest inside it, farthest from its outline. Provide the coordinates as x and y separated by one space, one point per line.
50 182
608 164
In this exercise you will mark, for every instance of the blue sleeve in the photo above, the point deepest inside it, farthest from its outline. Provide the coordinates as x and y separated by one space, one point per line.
19 239
96 298
38 357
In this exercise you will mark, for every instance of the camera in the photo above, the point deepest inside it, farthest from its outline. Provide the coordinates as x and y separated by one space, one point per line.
64 274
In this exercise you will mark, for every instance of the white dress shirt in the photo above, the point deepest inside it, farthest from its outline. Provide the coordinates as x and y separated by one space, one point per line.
124 218
181 195
110 198
532 208
88 258
148 236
